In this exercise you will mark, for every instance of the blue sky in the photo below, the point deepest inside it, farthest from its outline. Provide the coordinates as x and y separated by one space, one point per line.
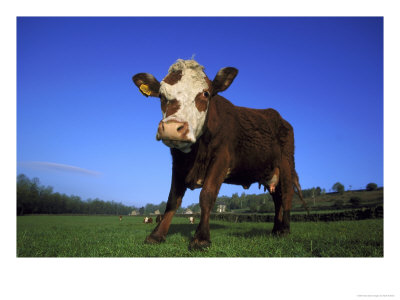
84 128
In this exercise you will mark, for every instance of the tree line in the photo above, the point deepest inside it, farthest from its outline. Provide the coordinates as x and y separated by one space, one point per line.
244 203
339 188
263 203
151 208
34 198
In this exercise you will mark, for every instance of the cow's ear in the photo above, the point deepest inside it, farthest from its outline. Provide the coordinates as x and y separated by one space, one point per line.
148 85
223 79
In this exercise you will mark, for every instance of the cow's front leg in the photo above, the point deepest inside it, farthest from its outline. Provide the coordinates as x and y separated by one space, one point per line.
208 195
174 202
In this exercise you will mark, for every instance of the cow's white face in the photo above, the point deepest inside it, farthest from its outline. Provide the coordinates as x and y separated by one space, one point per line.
185 94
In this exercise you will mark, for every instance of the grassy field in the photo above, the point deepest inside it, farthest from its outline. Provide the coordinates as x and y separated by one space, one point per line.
106 236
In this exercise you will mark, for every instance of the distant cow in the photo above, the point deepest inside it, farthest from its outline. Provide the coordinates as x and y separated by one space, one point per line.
148 220
214 142
120 218
191 220
159 218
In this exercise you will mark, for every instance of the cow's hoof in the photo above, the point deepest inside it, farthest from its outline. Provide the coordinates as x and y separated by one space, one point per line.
280 232
151 239
196 244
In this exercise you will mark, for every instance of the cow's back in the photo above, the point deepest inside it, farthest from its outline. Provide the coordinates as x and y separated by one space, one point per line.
257 139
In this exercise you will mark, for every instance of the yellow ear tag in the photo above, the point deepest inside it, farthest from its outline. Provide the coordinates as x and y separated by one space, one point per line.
144 88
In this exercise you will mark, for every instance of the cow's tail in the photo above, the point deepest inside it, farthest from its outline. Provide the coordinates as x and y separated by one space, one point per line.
297 189
286 138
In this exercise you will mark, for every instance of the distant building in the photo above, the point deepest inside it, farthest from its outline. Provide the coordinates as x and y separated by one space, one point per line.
221 208
134 213
188 212
157 212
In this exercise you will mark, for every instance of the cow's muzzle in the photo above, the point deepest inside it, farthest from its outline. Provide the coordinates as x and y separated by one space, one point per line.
173 130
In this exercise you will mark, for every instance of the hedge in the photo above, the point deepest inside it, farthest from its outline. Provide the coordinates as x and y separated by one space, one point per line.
356 214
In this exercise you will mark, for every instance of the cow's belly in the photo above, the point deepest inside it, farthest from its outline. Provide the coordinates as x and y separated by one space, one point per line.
247 175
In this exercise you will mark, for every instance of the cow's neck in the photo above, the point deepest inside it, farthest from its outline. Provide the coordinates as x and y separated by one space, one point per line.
193 166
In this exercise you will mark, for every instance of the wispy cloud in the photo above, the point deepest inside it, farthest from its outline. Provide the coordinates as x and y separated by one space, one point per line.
57 167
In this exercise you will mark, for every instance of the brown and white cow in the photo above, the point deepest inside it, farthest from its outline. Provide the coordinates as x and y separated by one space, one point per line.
191 220
148 220
213 141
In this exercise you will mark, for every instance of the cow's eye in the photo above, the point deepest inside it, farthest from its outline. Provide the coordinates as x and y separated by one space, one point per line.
206 94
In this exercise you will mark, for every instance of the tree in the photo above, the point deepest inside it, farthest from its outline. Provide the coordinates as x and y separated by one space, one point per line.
338 187
23 191
338 203
235 203
355 201
253 206
33 198
195 207
141 210
317 191
162 206
266 207
371 186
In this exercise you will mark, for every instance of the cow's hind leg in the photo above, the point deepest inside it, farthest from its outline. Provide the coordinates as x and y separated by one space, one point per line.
286 184
278 219
174 202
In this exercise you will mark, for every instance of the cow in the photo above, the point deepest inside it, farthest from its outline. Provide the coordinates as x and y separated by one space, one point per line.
120 218
213 141
148 220
191 220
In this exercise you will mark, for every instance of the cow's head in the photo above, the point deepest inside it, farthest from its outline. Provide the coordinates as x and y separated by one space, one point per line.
185 94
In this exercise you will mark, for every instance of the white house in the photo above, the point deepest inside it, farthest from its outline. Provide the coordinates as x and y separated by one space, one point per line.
221 208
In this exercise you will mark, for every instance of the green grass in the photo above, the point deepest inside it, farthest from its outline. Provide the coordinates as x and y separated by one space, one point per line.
106 236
